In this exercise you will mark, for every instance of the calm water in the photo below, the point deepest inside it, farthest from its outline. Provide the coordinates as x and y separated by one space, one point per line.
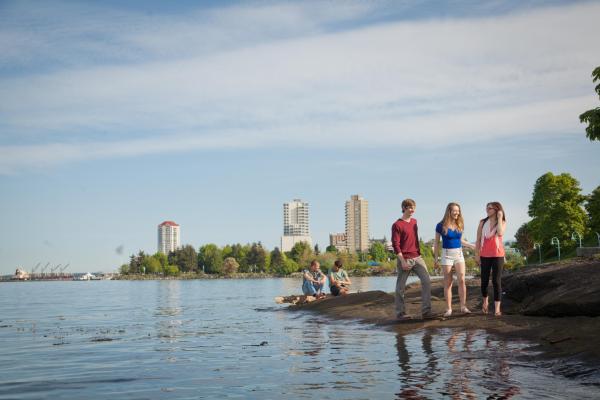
227 339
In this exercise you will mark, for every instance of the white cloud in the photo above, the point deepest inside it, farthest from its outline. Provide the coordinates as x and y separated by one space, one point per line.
433 82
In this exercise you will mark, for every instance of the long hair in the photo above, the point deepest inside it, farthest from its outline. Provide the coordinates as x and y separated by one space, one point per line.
447 220
498 207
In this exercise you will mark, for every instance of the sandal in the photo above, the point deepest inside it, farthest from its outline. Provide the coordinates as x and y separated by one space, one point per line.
498 313
448 313
465 310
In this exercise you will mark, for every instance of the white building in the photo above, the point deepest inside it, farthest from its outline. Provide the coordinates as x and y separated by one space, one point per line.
295 224
169 238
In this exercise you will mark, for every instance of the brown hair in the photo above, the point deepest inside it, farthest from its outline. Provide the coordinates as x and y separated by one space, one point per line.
338 263
407 203
498 207
447 220
314 262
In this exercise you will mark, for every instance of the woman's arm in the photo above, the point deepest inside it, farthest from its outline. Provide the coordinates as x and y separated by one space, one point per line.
501 223
466 244
478 241
436 248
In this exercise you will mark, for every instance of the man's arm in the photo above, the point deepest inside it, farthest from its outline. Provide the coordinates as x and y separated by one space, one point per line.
396 244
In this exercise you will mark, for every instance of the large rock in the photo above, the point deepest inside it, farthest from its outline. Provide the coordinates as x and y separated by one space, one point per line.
570 288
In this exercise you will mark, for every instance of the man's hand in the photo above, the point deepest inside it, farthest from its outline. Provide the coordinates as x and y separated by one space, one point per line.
404 265
478 259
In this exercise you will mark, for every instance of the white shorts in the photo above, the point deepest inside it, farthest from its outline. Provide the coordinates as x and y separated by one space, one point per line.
452 256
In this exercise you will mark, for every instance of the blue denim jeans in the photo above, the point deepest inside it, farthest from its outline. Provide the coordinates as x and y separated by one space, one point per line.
310 289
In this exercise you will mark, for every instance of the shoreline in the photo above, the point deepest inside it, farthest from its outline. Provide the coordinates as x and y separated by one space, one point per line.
555 307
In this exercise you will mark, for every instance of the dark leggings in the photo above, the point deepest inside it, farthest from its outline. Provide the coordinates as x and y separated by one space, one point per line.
493 265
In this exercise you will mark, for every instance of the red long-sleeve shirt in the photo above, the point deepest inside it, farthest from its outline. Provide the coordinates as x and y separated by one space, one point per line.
405 238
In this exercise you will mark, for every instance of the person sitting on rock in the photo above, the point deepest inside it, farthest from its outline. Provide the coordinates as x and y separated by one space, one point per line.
313 280
339 281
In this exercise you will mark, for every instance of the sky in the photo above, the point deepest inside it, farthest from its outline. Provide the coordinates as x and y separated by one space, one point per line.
116 116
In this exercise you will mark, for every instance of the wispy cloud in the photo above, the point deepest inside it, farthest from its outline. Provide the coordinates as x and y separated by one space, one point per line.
279 76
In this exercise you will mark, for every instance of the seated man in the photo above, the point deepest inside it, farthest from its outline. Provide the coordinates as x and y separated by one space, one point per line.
339 281
313 280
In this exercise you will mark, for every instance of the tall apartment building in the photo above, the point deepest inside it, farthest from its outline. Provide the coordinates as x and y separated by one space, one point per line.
295 224
357 224
168 237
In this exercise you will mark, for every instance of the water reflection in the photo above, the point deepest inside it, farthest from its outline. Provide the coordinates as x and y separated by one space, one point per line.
167 312
455 363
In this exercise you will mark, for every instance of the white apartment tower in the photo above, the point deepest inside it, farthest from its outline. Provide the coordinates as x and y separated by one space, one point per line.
295 224
168 237
357 224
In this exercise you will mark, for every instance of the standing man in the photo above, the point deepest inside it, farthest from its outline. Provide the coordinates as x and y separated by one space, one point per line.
405 239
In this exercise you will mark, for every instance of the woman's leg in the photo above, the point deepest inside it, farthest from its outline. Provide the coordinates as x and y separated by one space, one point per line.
462 286
485 281
497 267
447 270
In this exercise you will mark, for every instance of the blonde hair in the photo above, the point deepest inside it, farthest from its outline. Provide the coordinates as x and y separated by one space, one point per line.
447 220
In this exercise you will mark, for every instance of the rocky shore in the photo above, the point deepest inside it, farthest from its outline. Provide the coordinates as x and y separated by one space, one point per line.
556 306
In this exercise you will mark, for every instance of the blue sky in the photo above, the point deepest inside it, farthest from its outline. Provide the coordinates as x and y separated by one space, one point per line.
116 116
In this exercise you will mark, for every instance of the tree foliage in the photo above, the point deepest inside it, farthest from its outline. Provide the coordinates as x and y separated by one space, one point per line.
378 252
280 264
592 117
211 258
185 258
524 238
230 266
301 253
257 258
556 208
592 207
331 249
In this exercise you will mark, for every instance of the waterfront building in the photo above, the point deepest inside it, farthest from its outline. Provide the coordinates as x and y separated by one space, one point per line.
169 238
357 224
339 241
295 224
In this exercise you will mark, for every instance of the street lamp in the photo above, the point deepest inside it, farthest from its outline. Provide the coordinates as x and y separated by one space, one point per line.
598 234
556 243
575 236
539 248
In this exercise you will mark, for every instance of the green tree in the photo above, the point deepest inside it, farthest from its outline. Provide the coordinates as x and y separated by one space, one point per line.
211 257
331 249
162 259
280 264
240 253
124 269
171 270
592 117
592 207
230 266
301 253
524 239
185 258
257 258
136 261
151 265
378 252
556 208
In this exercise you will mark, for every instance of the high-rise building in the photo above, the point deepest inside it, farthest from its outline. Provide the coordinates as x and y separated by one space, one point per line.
295 224
357 224
168 237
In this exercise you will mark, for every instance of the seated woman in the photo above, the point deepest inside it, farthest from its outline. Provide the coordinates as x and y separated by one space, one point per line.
338 279
313 280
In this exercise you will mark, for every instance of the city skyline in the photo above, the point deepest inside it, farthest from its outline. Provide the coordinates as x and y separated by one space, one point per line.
115 116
